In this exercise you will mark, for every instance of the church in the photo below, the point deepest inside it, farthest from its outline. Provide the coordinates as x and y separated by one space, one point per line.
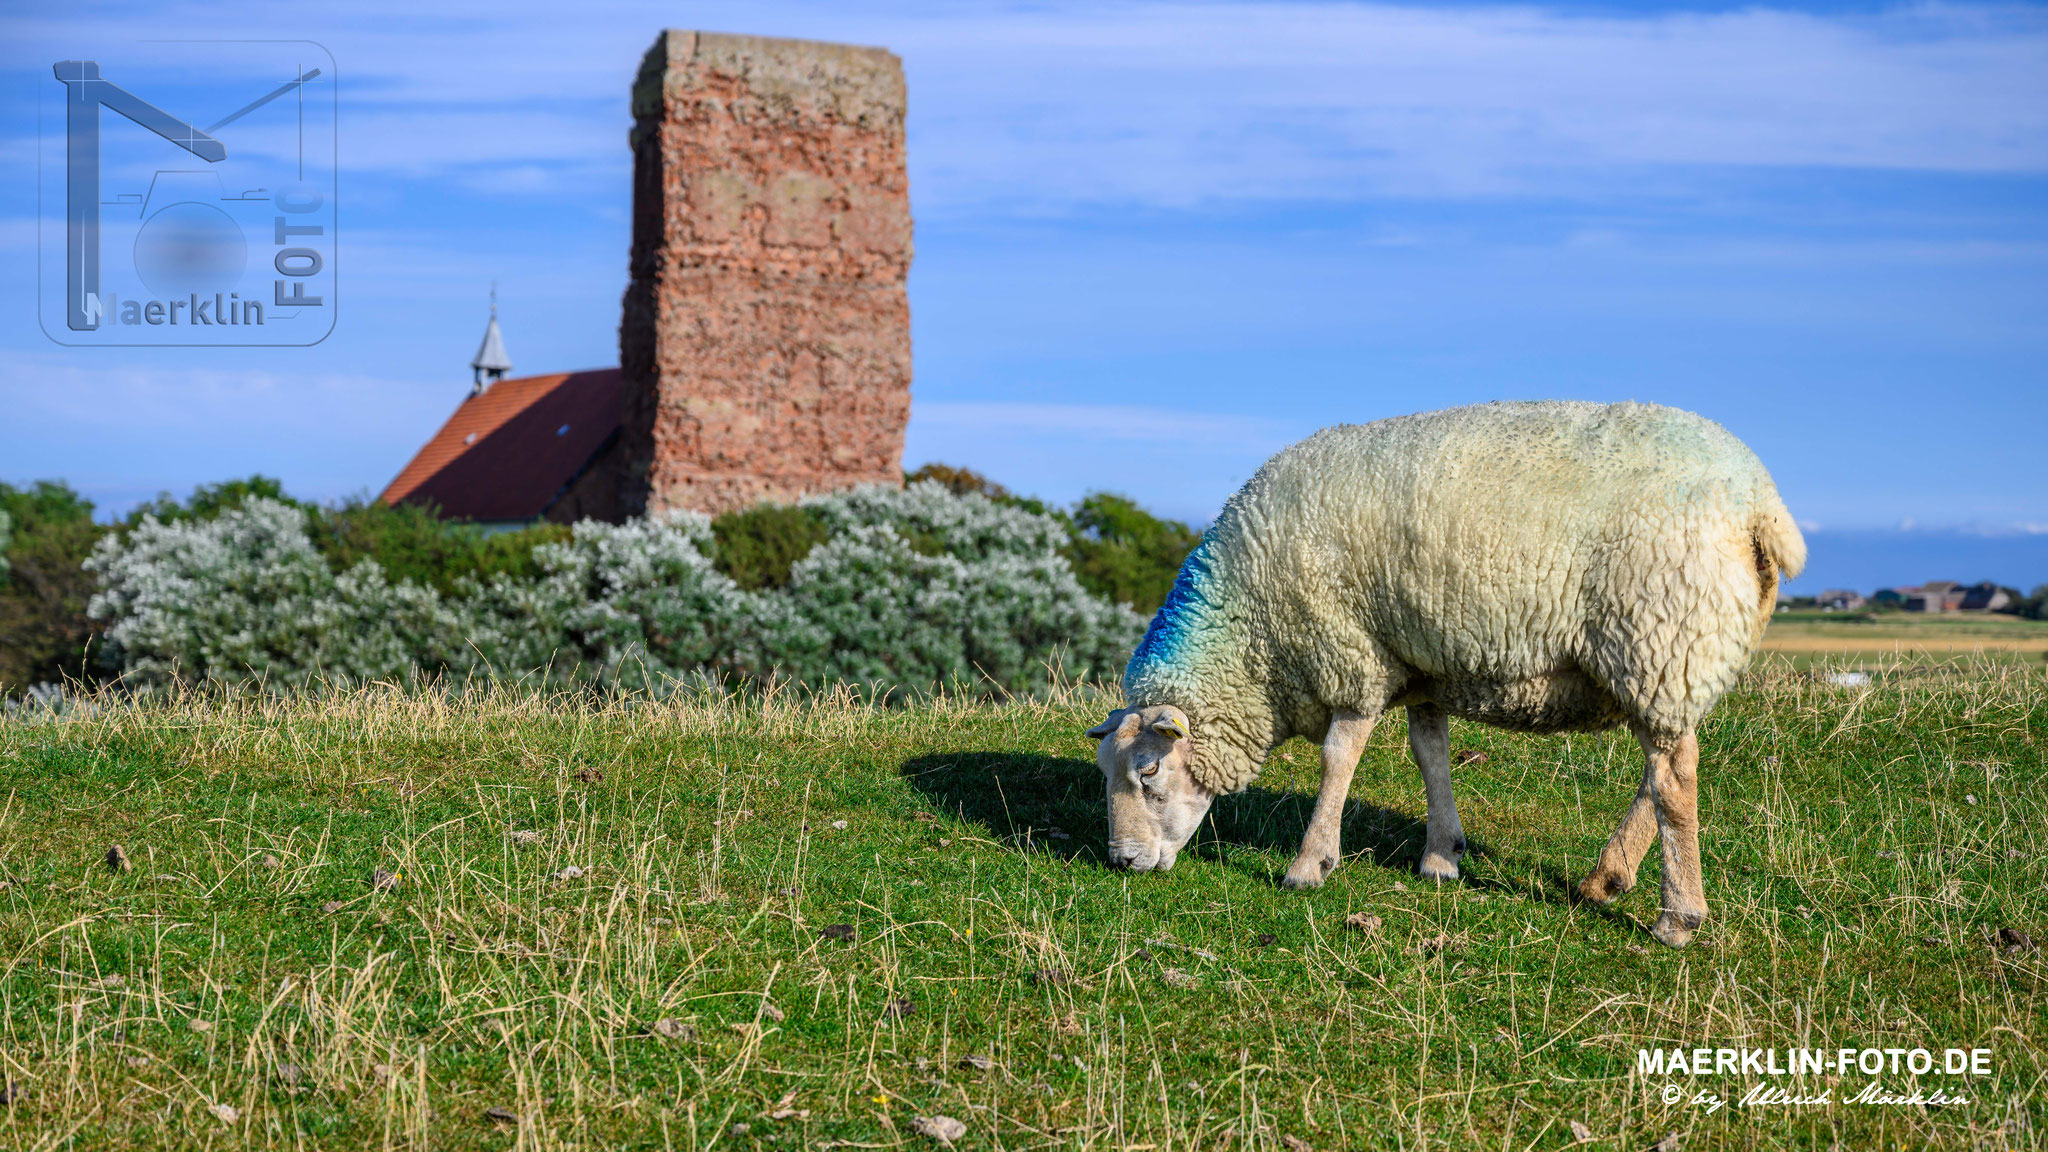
764 337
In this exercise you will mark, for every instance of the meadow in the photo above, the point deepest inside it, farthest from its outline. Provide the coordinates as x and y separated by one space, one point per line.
1866 640
494 919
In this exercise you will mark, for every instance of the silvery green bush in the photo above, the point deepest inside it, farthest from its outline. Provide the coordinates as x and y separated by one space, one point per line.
912 588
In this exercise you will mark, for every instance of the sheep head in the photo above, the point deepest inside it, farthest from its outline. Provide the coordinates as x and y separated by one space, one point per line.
1154 803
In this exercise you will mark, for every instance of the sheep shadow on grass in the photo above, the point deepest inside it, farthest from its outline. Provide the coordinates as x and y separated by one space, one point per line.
1055 804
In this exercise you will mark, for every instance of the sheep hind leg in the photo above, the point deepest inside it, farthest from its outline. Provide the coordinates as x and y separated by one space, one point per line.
1674 771
1619 861
1429 739
1321 846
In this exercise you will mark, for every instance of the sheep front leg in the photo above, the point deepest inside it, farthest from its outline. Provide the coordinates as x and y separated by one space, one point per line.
1429 739
1321 846
1674 774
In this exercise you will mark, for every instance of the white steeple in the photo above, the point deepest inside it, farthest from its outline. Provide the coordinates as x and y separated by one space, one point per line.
491 363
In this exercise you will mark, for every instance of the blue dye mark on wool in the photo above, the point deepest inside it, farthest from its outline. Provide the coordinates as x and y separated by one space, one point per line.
1181 618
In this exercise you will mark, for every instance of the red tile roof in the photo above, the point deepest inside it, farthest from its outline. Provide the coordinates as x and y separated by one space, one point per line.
508 452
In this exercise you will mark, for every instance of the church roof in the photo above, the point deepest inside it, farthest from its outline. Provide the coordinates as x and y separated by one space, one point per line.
508 452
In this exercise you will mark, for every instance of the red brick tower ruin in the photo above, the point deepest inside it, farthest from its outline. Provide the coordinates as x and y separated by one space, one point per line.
765 338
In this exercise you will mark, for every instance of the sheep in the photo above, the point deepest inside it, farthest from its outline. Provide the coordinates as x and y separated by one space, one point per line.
1544 567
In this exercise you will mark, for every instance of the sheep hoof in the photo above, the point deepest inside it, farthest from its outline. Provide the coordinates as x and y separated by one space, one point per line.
1675 929
1305 873
1439 867
1604 888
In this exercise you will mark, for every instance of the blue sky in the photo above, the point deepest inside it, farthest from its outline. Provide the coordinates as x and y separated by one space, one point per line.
1158 241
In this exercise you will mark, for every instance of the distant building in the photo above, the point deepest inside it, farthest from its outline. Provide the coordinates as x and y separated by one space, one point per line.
1985 597
1888 598
1937 596
1838 600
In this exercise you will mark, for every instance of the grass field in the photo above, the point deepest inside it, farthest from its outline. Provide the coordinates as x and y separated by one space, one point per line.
390 920
1875 640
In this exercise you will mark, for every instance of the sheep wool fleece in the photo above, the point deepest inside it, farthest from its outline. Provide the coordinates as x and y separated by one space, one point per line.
1541 566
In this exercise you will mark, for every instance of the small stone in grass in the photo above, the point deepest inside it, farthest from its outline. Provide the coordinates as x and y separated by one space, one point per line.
898 1009
383 880
1580 1133
1175 978
944 1129
836 932
977 1062
138 1061
1639 950
770 1012
1771 761
1400 887
739 1130
290 1073
839 824
1294 1143
228 1113
572 872
1670 1143
198 1025
270 862
1969 799
1364 922
117 859
501 1116
333 906
384 1073
672 1029
1470 756
523 836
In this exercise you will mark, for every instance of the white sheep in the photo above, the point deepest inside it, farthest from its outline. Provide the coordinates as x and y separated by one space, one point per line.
1543 567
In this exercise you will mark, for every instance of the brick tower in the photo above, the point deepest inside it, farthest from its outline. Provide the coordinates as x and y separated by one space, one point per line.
765 336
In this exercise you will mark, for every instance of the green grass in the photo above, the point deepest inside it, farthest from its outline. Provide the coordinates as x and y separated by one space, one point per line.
1860 844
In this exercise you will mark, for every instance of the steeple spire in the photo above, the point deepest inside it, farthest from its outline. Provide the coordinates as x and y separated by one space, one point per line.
491 363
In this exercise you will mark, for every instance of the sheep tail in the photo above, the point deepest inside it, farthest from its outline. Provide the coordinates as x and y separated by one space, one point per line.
1779 548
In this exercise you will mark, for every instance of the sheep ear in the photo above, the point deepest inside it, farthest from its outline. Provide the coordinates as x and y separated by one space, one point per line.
1115 720
1171 725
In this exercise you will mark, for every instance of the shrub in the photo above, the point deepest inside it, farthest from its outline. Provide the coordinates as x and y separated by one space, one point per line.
45 634
210 500
412 542
909 589
757 547
1123 553
1119 551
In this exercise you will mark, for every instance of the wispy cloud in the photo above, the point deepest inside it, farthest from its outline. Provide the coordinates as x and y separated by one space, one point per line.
1179 104
1119 422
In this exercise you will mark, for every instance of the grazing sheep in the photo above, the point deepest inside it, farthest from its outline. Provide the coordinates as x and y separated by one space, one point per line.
1544 567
